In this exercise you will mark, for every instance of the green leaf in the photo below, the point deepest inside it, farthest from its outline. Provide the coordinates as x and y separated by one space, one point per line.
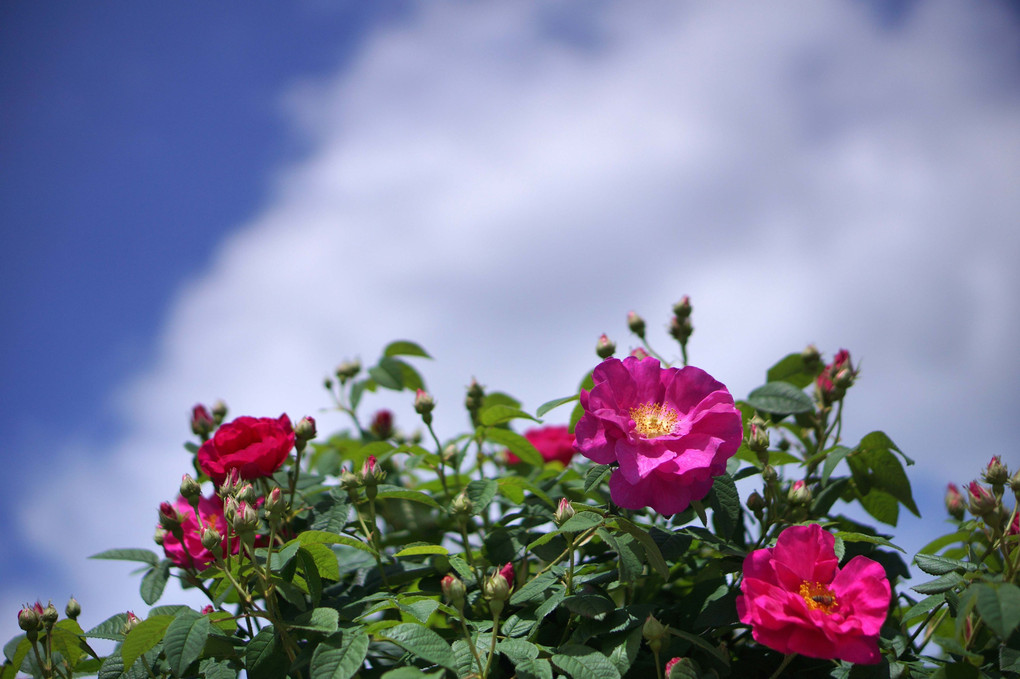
500 414
217 668
874 466
109 628
589 605
518 650
555 403
423 642
318 620
999 606
143 637
154 582
940 565
582 662
517 444
20 651
780 398
595 475
143 555
325 560
942 584
185 638
422 550
791 368
833 456
388 373
404 348
580 522
881 505
725 502
310 537
535 588
481 493
652 553
848 536
878 440
412 673
310 573
924 605
340 655
264 656
388 492
539 668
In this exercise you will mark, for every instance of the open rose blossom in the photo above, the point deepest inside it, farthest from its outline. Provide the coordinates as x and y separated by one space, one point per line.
190 553
254 446
670 429
552 442
798 600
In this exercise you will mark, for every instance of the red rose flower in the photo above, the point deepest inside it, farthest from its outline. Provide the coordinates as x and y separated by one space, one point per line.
552 443
254 446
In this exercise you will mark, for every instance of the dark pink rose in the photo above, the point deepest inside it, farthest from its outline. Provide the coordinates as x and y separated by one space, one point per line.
798 600
671 430
552 443
382 424
189 552
254 446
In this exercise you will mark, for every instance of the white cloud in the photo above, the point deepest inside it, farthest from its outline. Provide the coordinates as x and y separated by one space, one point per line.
503 194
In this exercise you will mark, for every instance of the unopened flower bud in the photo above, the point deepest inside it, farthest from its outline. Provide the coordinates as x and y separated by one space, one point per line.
247 494
636 324
756 503
382 424
371 472
29 617
758 438
347 370
349 481
159 536
275 506
191 490
170 519
563 512
496 587
305 429
73 609
454 590
202 422
654 633
954 502
449 454
246 519
681 329
639 354
219 413
837 376
424 404
231 484
462 505
211 539
49 615
681 668
811 357
605 347
769 473
682 309
996 473
981 501
475 396
1014 484
131 623
230 507
799 493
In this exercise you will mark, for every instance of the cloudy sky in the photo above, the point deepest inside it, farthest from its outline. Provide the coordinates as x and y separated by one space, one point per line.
226 201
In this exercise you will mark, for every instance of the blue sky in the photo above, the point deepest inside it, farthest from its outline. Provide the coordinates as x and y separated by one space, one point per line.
227 201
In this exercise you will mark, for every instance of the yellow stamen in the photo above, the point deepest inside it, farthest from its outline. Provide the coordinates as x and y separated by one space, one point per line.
818 597
653 420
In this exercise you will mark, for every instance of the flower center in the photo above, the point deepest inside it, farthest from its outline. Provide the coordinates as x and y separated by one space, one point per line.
653 420
818 597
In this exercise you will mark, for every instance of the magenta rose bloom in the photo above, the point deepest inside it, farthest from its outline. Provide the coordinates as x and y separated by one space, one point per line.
552 443
670 429
798 600
254 446
189 552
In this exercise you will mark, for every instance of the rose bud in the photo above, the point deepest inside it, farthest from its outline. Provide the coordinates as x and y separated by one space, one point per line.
811 357
275 506
799 493
454 590
756 503
954 502
73 609
207 609
639 354
170 519
246 519
681 329
371 472
1014 484
681 668
202 422
131 623
563 512
474 398
654 632
605 347
507 571
462 505
996 473
305 429
682 309
246 493
219 413
758 438
382 424
160 535
636 324
29 617
49 615
347 370
496 590
981 501
190 489
211 539
349 481
230 485
424 405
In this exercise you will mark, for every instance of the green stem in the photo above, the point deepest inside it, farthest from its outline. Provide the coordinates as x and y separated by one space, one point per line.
492 645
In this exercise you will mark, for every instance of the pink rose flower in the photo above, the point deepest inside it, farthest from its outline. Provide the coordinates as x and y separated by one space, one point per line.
552 443
189 552
670 429
798 600
254 446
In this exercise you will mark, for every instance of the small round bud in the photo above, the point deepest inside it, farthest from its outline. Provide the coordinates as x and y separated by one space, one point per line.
219 413
682 668
454 590
348 370
954 502
424 404
191 490
681 329
275 506
327 382
769 473
231 484
639 354
349 481
170 519
49 615
811 357
246 493
371 472
605 347
159 536
682 309
211 539
1014 484
246 519
636 324
462 505
73 609
563 512
473 400
202 422
996 473
497 586
131 623
382 424
756 503
654 633
799 493
30 617
981 501
758 438
305 429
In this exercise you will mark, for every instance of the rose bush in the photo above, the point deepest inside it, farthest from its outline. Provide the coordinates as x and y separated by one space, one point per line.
254 446
695 537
